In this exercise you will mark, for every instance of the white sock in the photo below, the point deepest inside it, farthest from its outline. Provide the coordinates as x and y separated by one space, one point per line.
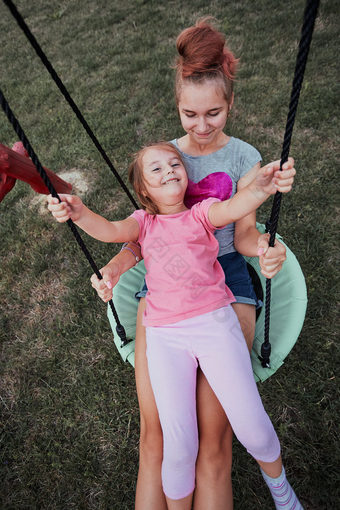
282 493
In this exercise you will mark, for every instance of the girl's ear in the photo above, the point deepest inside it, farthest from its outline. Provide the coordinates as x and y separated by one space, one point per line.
230 105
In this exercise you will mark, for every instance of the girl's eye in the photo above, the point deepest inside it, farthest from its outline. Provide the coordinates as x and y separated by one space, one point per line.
155 169
175 164
192 115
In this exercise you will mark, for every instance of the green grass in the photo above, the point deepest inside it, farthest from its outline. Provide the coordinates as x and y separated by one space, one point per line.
69 420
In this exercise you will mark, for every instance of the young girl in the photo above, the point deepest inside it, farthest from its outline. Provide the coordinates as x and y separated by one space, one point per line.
188 318
217 165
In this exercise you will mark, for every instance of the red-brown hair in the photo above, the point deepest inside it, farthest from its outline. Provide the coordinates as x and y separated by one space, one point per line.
135 173
203 55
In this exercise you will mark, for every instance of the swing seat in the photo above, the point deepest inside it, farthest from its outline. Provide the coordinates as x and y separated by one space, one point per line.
287 311
16 164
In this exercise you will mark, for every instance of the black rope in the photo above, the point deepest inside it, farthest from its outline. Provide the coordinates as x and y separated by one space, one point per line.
20 132
310 14
306 37
66 94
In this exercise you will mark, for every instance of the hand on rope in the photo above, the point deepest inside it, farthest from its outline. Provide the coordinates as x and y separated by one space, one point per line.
271 259
70 207
111 274
129 255
282 181
285 179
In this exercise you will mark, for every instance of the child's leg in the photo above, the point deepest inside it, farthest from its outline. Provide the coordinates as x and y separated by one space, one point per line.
225 361
149 491
246 315
227 365
214 462
172 370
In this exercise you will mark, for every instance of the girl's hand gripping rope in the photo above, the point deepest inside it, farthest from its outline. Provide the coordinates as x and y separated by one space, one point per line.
285 178
70 207
271 259
270 179
104 287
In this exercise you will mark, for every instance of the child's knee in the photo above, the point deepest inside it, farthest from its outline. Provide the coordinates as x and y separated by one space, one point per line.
215 457
178 471
151 443
180 451
263 444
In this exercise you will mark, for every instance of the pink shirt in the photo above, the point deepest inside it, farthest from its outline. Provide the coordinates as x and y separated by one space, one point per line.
184 278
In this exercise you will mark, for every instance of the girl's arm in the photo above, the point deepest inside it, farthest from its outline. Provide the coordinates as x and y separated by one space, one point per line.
71 207
266 182
248 240
111 273
245 201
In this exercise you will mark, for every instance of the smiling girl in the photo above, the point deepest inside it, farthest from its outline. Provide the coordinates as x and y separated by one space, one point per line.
188 317
217 166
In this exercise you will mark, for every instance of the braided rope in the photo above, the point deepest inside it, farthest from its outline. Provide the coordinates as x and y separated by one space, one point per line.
306 37
310 14
66 94
20 132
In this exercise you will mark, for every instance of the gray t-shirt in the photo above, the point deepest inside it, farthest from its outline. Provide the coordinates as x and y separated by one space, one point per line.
216 175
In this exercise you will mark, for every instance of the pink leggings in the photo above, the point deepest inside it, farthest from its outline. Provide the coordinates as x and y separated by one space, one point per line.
215 341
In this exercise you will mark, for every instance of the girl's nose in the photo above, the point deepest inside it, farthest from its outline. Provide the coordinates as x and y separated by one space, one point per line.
202 125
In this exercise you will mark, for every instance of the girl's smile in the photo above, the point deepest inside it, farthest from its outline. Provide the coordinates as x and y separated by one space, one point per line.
203 111
165 180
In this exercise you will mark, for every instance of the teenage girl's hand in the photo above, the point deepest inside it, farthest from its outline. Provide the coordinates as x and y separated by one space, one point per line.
271 259
70 207
110 274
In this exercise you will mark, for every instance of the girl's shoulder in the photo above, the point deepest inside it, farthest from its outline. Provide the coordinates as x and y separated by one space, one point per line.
200 212
140 213
141 216
240 146
144 220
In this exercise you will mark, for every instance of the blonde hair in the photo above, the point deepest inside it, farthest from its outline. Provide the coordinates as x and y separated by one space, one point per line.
135 173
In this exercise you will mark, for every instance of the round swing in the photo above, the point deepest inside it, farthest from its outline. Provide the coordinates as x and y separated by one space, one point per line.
286 293
288 308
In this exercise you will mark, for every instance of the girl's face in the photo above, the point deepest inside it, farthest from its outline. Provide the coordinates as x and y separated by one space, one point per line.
203 111
165 179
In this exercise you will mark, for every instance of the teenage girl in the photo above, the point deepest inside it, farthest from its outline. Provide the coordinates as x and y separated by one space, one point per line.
188 316
204 97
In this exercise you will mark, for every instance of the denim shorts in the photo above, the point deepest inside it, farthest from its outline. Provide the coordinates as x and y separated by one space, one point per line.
236 277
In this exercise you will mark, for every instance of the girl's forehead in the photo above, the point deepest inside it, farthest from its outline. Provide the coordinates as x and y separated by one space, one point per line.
156 154
206 95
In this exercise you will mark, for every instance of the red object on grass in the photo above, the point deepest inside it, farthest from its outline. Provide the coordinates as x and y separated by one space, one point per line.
15 164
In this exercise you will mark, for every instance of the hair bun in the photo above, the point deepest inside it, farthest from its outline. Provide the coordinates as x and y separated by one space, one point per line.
202 49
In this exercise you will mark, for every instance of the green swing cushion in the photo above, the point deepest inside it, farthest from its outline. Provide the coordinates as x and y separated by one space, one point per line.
287 311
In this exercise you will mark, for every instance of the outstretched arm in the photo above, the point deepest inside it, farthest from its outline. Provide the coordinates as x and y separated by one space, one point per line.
71 207
244 201
266 182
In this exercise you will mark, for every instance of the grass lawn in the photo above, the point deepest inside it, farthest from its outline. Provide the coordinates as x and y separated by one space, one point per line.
69 413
